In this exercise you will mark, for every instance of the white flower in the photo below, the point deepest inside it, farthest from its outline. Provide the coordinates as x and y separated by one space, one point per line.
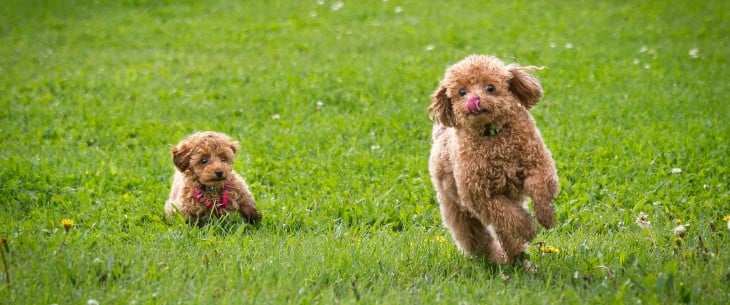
92 302
636 61
643 221
320 104
694 53
337 5
679 230
676 170
398 9
552 44
320 2
275 117
430 47
375 147
643 49
568 45
647 66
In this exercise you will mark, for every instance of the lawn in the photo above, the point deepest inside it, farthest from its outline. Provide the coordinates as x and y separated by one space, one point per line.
328 100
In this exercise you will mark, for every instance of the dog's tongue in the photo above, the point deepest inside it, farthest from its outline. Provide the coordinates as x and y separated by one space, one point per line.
472 104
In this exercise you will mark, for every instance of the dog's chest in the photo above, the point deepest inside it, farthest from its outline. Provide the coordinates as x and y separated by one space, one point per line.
491 166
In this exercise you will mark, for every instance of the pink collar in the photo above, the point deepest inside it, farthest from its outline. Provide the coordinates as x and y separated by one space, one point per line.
211 204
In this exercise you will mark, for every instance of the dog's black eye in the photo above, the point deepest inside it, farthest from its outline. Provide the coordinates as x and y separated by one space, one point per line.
203 161
224 159
489 88
462 91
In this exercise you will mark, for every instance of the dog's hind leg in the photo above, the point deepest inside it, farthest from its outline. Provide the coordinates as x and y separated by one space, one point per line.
512 225
471 235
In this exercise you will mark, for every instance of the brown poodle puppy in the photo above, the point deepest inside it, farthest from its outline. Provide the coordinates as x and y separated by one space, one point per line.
488 157
205 184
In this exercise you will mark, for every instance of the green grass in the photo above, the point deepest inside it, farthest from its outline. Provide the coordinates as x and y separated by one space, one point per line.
93 93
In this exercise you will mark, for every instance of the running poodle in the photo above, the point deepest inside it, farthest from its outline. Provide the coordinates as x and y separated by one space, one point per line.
488 157
205 184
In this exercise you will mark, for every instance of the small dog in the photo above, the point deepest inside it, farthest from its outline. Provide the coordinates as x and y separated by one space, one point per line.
205 184
488 156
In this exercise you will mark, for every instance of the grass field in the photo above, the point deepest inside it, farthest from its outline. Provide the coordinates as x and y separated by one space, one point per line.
328 100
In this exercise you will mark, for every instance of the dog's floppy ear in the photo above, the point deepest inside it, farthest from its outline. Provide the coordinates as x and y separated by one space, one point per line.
181 156
524 86
234 146
440 109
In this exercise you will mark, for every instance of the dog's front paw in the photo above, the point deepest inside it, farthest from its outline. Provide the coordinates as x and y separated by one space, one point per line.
545 215
251 214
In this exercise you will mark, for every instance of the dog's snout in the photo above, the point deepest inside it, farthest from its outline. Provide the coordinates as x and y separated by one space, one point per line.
219 173
472 104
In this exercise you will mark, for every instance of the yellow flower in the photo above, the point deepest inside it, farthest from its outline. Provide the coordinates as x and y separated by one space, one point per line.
440 239
67 224
726 218
549 249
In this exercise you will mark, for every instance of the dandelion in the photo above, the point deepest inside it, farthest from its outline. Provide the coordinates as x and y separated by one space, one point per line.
694 53
67 224
676 170
680 229
727 218
549 249
440 239
643 221
337 5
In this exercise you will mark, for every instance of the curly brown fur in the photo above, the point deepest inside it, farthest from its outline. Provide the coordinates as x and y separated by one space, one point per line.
488 157
204 161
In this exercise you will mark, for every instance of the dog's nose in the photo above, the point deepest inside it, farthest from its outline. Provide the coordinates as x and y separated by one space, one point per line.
219 173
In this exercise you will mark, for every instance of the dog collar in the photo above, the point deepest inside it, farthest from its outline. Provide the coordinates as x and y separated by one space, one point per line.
491 131
217 207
